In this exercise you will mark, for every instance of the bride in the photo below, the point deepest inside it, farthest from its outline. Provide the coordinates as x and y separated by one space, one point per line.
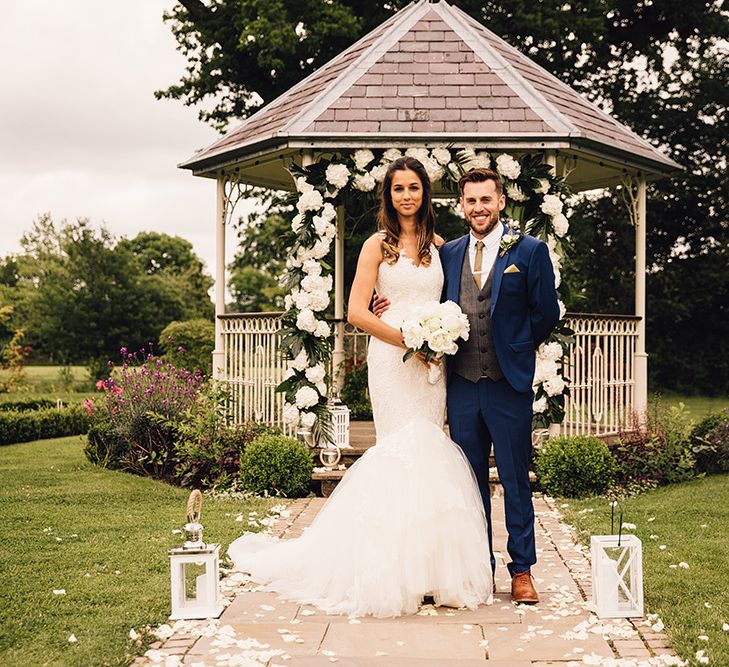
407 519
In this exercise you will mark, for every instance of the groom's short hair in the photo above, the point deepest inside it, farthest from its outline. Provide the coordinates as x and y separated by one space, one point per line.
479 176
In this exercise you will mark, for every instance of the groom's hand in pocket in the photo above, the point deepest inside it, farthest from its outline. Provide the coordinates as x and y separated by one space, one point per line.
380 304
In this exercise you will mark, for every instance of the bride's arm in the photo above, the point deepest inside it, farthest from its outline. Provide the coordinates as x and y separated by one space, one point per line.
358 312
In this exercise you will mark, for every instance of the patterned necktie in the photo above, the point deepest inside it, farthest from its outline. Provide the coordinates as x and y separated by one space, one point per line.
478 263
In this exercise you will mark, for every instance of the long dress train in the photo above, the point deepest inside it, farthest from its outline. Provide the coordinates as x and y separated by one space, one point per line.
407 519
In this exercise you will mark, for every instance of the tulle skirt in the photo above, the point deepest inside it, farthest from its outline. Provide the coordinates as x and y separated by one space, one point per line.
407 520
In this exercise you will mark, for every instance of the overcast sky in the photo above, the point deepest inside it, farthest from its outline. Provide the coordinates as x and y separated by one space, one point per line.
81 134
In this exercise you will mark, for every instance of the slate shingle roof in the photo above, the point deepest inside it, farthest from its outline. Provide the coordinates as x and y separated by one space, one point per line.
430 72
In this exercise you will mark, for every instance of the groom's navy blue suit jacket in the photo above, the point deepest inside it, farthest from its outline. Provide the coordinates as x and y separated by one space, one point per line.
524 307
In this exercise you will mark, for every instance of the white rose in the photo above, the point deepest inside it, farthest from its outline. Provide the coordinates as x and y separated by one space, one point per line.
308 419
540 405
297 223
551 351
310 201
328 213
418 153
315 374
311 267
290 414
378 172
302 185
543 187
337 175
508 167
321 248
390 155
552 205
413 336
306 397
561 225
440 341
554 386
305 320
480 160
301 361
364 182
562 309
322 330
442 155
363 157
514 193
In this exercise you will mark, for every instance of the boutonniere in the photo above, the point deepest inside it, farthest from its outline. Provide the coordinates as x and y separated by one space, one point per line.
509 240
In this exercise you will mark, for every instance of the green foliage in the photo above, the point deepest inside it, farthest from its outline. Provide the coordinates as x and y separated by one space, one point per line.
254 290
27 425
656 449
23 404
80 294
278 465
710 443
574 466
355 394
189 344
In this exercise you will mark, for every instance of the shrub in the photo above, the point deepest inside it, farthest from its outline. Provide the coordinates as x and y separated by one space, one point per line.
142 402
355 391
27 404
278 465
574 466
17 426
189 344
710 443
656 449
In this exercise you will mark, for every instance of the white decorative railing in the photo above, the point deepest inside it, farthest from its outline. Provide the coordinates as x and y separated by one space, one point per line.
599 369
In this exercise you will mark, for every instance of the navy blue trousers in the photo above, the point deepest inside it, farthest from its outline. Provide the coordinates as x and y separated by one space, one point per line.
492 413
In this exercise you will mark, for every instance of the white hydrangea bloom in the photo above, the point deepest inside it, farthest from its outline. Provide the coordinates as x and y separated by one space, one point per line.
562 309
561 225
297 223
480 160
311 267
557 278
390 155
306 321
378 172
552 205
543 187
418 153
301 361
310 201
317 283
508 167
290 414
442 155
337 175
540 405
302 185
554 386
433 168
308 419
551 351
315 374
515 193
306 397
544 370
364 182
324 228
362 158
322 329
321 248
328 213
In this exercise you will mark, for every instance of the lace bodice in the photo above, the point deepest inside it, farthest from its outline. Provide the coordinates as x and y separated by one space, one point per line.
400 391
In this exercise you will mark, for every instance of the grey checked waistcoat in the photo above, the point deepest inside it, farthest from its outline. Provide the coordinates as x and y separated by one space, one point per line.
476 357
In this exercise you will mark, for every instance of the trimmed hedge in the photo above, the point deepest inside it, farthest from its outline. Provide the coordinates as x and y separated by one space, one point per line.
18 426
277 465
27 404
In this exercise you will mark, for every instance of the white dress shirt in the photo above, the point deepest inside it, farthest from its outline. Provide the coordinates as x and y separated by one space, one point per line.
490 250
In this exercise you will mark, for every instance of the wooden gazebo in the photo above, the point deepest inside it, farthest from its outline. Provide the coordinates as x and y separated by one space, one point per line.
433 76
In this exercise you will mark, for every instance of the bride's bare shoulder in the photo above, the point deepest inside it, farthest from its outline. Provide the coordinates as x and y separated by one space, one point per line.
372 247
438 240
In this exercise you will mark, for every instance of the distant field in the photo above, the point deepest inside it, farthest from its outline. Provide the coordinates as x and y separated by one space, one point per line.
697 406
69 383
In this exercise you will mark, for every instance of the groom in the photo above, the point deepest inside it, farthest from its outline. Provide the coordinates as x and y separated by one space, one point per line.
505 284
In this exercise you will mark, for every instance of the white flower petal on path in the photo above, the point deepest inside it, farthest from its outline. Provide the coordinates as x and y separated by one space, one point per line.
651 519
59 591
133 635
703 638
725 627
661 546
684 565
72 639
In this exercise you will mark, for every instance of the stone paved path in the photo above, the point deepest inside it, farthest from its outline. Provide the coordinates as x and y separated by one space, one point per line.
259 628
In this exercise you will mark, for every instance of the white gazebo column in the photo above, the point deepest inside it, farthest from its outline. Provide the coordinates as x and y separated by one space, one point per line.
338 354
640 403
220 215
550 158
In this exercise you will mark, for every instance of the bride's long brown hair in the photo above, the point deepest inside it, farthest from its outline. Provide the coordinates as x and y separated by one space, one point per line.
388 223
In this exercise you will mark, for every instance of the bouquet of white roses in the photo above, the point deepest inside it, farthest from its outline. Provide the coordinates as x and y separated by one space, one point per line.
432 331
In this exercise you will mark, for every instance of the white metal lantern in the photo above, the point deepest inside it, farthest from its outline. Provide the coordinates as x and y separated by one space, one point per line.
195 570
617 574
340 423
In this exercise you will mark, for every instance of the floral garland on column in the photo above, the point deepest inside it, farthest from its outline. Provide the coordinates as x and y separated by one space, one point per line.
535 201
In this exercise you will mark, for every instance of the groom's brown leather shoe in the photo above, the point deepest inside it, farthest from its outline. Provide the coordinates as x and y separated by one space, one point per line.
522 588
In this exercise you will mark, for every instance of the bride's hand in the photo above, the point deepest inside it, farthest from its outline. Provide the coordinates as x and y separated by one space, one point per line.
380 304
433 361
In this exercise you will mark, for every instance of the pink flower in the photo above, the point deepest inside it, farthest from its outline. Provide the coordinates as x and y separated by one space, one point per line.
89 406
100 385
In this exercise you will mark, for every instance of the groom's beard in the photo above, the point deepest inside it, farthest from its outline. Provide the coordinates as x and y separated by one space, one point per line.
480 230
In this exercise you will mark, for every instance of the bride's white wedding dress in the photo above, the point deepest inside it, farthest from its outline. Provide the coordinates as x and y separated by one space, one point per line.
407 519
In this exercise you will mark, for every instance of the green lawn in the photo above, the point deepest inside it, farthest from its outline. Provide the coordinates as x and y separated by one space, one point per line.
102 536
692 521
65 382
697 406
